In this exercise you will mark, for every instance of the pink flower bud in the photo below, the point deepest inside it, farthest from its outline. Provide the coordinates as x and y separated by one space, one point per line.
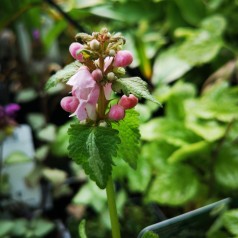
69 104
74 48
116 113
123 58
128 102
97 74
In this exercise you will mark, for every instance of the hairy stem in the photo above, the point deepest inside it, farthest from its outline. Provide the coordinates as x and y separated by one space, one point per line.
112 209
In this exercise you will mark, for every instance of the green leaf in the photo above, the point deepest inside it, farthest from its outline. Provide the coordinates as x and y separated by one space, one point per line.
61 143
82 229
93 148
174 185
6 227
169 66
41 228
87 194
150 234
226 166
129 134
48 133
189 151
230 220
134 85
17 157
26 95
63 75
171 131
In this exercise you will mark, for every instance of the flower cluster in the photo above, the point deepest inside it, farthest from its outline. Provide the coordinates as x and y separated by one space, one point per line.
7 115
102 62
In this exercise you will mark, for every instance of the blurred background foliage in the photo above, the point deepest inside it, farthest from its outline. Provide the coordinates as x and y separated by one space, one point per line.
187 52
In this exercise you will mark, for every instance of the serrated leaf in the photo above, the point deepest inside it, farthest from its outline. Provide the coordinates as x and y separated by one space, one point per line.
129 134
134 85
63 75
93 148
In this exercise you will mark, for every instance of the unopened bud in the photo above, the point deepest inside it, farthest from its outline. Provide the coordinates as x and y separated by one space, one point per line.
69 104
128 102
112 52
74 48
123 58
119 70
94 44
97 75
111 76
116 113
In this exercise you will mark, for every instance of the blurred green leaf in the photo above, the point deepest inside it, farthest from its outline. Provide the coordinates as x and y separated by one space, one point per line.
90 194
171 131
60 146
6 227
226 166
48 133
171 186
20 228
26 95
53 33
36 120
42 152
82 229
189 151
55 176
192 11
41 228
169 66
16 158
230 219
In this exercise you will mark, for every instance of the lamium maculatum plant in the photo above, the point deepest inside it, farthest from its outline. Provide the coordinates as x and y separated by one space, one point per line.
106 129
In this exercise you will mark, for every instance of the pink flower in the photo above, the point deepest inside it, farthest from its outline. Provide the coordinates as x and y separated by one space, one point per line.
123 58
74 48
116 113
69 104
97 74
128 102
86 90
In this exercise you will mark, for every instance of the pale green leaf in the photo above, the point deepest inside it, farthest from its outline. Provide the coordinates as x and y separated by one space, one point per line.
48 133
129 134
17 157
171 131
93 148
189 151
61 142
82 229
174 185
6 227
86 196
26 95
63 75
41 227
230 220
226 166
150 234
134 85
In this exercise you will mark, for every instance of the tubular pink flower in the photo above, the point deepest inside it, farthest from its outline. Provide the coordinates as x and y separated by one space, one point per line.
116 113
123 58
86 90
69 104
128 102
74 48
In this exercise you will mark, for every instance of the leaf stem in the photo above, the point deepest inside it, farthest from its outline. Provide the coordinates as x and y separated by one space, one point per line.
112 209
